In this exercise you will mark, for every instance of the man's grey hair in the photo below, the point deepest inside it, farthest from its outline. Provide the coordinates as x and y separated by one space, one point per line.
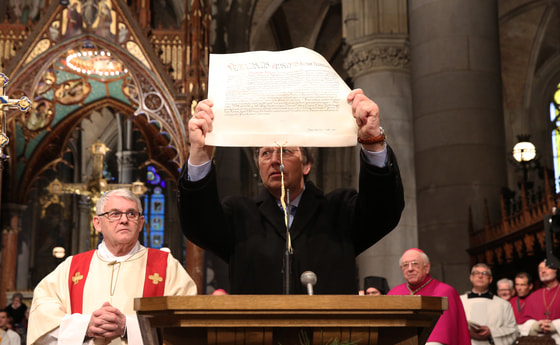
483 265
507 281
122 192
423 256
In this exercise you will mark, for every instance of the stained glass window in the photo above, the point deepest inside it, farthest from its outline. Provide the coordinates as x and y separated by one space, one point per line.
154 201
555 119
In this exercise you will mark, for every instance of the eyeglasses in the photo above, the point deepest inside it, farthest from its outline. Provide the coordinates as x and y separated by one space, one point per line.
115 215
266 153
412 264
480 273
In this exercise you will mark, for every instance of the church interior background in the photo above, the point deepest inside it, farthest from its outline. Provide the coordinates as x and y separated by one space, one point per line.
112 84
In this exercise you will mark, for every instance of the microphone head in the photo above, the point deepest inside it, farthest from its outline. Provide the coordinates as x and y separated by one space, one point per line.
308 277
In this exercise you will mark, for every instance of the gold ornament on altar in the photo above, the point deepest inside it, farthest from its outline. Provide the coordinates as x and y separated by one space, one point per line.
93 188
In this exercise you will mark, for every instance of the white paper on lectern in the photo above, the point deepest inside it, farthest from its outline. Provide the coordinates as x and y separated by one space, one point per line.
291 97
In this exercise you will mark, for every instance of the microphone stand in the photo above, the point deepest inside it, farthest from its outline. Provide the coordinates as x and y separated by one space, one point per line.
288 252
287 272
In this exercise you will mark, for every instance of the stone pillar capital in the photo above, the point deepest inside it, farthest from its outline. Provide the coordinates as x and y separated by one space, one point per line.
13 212
373 54
128 167
127 158
10 229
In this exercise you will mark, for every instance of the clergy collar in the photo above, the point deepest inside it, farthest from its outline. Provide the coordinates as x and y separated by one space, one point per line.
106 255
421 284
486 294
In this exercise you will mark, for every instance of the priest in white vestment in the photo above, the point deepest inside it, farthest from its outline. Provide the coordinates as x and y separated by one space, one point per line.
89 298
491 319
7 336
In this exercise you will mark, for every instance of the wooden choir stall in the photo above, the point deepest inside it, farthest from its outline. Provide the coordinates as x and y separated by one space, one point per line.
288 319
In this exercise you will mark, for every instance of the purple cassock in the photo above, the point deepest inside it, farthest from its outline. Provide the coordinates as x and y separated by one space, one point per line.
452 327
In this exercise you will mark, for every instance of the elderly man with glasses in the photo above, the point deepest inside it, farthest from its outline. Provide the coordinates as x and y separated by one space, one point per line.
451 328
323 232
505 289
491 319
89 298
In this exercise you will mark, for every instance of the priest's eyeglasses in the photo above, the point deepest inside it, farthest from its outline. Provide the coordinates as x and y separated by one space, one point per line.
115 215
266 153
480 273
412 264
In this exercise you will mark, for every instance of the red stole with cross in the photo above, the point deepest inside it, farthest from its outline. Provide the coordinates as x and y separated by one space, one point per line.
154 280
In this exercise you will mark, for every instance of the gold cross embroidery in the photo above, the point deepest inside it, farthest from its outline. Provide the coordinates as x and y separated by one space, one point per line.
155 278
77 277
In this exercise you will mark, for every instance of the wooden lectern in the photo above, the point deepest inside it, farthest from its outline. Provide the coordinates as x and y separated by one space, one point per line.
288 319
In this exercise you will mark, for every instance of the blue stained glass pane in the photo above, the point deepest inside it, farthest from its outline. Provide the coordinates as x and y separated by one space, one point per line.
154 234
157 223
157 240
555 145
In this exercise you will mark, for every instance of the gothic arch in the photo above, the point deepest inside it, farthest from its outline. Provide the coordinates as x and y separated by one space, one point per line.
156 103
54 145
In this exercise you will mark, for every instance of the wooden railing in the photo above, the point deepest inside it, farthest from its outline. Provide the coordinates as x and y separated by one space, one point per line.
519 233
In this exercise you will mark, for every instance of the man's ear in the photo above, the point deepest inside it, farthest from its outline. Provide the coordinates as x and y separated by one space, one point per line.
306 169
97 223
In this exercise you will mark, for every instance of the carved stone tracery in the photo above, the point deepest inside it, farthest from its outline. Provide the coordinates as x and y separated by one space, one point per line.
381 55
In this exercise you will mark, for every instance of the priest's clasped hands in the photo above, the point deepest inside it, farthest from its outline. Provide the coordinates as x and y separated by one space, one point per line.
106 322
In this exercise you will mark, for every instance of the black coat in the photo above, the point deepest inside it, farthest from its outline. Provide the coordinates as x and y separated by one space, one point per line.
328 231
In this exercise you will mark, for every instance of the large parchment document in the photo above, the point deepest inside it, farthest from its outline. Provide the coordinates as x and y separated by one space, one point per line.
292 98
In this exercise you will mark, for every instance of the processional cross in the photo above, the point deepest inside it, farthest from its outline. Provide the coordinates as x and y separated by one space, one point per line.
23 104
93 189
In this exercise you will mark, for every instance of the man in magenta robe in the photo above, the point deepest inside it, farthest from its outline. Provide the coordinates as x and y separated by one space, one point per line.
523 287
451 328
541 314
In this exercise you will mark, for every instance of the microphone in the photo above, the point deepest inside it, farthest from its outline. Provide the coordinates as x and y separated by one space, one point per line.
309 279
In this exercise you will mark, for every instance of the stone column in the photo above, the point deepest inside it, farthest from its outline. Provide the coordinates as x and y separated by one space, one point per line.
378 62
127 166
458 126
126 157
84 234
10 250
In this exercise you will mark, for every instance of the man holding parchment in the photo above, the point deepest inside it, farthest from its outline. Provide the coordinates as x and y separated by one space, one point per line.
326 231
